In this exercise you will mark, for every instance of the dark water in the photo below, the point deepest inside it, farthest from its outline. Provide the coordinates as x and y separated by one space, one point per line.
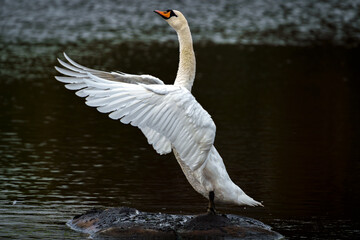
287 118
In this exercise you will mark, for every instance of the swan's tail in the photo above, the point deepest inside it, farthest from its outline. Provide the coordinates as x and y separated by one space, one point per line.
246 200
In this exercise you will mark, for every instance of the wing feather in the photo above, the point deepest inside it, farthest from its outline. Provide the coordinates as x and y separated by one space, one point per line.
76 64
69 72
168 115
67 79
75 86
112 76
68 66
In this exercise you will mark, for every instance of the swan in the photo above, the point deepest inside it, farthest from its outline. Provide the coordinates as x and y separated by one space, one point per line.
168 115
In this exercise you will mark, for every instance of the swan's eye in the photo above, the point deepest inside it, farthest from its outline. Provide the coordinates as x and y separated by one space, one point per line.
172 13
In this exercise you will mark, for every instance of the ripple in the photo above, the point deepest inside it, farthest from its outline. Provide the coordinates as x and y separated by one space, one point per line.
248 22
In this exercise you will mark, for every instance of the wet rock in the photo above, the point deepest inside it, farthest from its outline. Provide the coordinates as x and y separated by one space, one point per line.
124 223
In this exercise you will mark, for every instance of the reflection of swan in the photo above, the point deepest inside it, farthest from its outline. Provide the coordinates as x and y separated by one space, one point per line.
168 115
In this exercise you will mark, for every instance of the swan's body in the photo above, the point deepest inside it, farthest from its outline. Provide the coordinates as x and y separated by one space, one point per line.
168 115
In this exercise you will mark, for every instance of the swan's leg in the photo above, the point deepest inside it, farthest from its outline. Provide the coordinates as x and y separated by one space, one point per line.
211 207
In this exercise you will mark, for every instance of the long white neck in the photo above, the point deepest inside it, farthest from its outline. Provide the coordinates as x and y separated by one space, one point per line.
187 64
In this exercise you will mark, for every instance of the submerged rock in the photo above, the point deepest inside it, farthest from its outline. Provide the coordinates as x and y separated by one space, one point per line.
124 223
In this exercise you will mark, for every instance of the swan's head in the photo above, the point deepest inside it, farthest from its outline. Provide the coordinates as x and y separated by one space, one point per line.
175 18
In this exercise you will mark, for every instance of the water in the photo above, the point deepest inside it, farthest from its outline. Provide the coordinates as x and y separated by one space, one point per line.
287 114
295 22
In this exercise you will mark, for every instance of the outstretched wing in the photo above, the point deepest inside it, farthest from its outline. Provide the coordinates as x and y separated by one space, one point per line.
168 115
112 76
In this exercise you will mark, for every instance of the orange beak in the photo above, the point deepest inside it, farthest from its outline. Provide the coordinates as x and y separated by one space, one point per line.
164 14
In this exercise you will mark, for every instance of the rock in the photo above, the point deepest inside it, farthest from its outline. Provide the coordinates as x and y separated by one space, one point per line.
124 223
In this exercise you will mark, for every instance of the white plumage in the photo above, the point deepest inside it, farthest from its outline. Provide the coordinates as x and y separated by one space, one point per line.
168 115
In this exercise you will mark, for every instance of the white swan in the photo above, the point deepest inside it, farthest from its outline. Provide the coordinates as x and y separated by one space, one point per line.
168 115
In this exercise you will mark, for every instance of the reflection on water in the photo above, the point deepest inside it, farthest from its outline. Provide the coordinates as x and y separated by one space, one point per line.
287 128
